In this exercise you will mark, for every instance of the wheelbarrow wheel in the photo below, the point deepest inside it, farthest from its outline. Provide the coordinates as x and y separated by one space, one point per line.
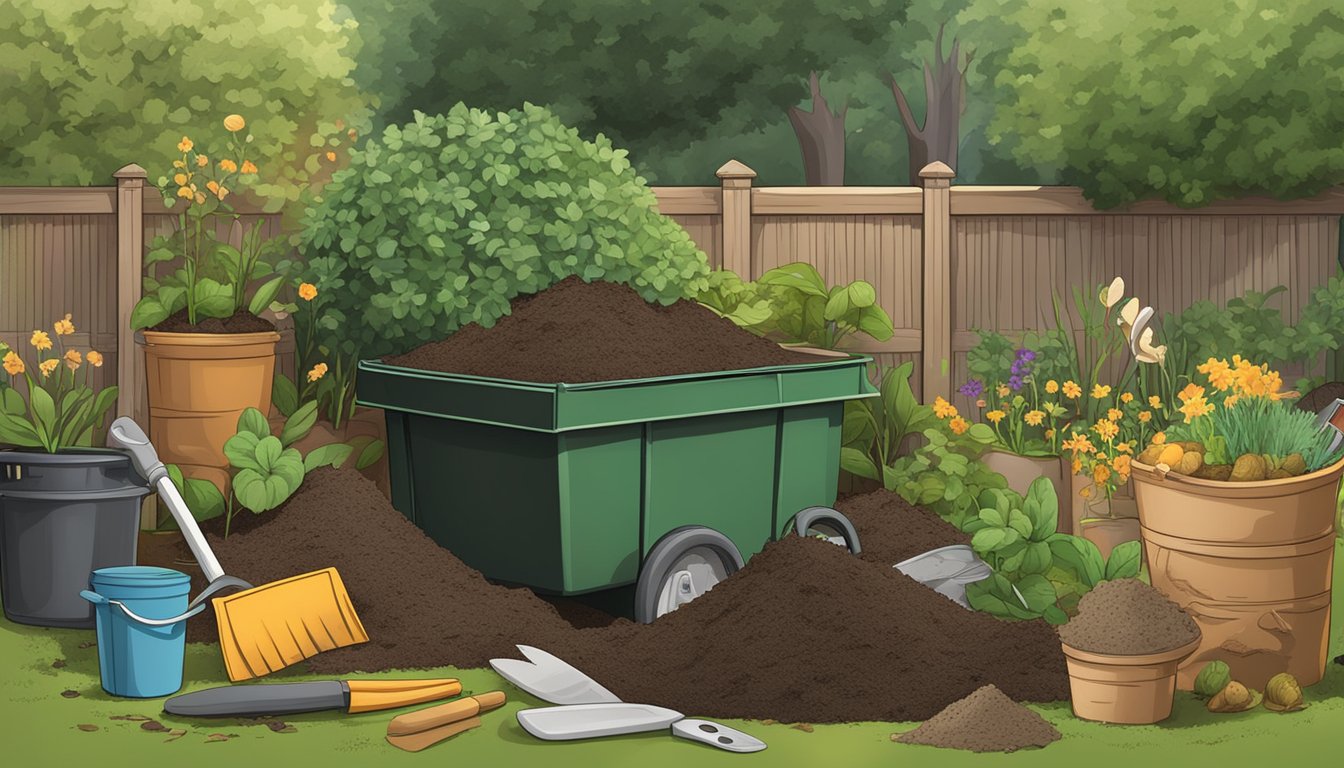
827 523
686 563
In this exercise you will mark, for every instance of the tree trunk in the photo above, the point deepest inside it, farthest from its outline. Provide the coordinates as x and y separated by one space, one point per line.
944 95
821 138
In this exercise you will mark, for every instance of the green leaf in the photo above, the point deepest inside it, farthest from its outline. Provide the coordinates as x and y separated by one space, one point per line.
994 517
12 402
1055 616
267 452
298 425
265 294
1037 558
995 596
1037 591
370 453
254 421
857 462
837 305
981 433
284 394
241 450
289 467
862 294
249 486
1042 506
212 298
991 539
1080 556
1125 560
798 275
875 322
148 312
17 431
44 412
329 455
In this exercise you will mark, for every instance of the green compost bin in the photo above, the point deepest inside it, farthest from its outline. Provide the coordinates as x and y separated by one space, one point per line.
566 487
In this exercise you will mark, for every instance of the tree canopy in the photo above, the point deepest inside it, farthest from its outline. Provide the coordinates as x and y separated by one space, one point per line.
92 87
1191 101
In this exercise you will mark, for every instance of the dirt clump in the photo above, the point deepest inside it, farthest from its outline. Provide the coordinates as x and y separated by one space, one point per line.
582 332
1126 617
892 530
241 321
985 721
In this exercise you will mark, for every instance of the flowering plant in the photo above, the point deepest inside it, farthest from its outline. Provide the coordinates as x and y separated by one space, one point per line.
329 373
1024 421
63 408
214 276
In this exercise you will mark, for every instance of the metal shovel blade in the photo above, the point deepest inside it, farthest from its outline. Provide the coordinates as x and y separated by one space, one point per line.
552 679
589 721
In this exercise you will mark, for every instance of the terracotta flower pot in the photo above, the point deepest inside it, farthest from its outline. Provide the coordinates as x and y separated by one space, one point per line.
1020 471
1094 506
199 383
1110 532
1250 562
1129 690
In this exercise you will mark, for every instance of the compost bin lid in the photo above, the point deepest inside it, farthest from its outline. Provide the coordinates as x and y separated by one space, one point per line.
139 576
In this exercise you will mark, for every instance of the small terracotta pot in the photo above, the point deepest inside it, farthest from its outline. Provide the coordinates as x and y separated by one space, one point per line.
1094 506
1021 471
1109 532
1128 690
199 384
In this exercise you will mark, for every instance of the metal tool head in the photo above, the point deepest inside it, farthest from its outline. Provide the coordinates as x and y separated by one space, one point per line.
550 678
1331 416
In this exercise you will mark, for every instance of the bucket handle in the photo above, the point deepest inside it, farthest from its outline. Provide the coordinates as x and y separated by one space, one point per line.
195 607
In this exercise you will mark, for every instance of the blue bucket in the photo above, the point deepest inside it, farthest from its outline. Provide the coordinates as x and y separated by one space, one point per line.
141 614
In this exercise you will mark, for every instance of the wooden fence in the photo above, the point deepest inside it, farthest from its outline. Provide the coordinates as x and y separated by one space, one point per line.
945 259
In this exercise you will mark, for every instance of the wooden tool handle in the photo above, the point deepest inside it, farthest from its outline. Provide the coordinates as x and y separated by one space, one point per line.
369 686
443 714
365 698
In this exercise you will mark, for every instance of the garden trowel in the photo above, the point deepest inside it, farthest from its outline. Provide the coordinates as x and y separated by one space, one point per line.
1332 416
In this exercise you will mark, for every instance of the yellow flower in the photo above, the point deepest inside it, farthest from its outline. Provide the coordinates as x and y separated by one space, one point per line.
1106 429
1191 392
1115 414
995 416
1231 401
1003 390
1124 447
1101 473
1078 443
331 156
248 167
941 408
1154 401
218 190
202 161
234 123
95 358
13 363
1127 397
1072 390
47 366
1052 386
184 192
40 340
1194 408
1159 438
1049 434
1100 390
1219 372
185 145
72 359
180 179
308 292
179 164
958 425
227 165
1121 465
318 372
1145 416
64 327
1086 493
1034 418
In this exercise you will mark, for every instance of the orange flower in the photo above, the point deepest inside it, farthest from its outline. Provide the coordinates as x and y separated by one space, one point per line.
13 363
941 408
1077 466
1086 493
180 179
1219 372
995 416
1049 434
308 292
95 358
1124 447
185 145
1196 407
1100 390
331 157
248 167
202 161
184 192
227 165
1003 390
234 123
318 372
1191 392
47 366
1121 465
1078 443
1127 397
1072 390
1159 438
958 425
1101 472
1052 386
1106 429
980 403
72 359
1115 414
1145 416
64 327
1034 418
218 190
40 340
1154 401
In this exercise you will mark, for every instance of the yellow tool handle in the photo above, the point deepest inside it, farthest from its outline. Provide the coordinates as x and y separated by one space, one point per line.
368 686
370 699
443 714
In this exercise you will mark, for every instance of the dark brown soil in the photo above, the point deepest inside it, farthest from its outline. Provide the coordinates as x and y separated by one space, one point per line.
891 530
578 332
1126 617
1321 396
805 633
985 721
241 321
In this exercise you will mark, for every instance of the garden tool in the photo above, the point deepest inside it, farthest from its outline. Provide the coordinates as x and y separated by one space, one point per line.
353 696
423 728
947 571
261 629
590 710
1332 416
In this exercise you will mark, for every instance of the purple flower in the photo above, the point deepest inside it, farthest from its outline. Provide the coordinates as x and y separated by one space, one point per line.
1026 354
1015 382
972 388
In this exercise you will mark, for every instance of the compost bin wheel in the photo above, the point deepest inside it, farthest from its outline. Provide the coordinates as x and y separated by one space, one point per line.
829 524
684 564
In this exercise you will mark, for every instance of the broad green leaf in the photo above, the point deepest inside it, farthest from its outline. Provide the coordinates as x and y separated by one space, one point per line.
1125 561
44 412
861 294
265 294
995 596
241 450
254 421
289 467
17 431
250 488
1037 591
1055 616
370 453
12 402
1080 556
799 275
991 538
981 433
284 394
857 462
148 312
837 305
994 517
875 322
1042 506
267 453
203 499
1036 558
329 455
299 424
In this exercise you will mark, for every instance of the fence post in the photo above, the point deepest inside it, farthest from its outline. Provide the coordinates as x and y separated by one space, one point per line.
937 226
737 257
130 266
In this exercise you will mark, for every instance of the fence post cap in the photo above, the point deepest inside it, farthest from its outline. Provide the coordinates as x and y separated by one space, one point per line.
131 171
937 170
735 170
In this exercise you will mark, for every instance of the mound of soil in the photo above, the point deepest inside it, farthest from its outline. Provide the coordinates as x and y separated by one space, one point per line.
579 332
241 321
1318 398
985 721
1126 617
805 633
891 529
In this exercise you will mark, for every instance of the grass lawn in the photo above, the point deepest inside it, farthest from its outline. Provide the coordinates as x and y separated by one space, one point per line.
40 727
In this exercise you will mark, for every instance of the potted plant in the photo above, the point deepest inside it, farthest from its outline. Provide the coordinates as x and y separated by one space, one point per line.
1238 505
208 352
66 508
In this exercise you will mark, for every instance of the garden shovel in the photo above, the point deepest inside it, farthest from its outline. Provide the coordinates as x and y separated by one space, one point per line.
1332 416
261 629
590 710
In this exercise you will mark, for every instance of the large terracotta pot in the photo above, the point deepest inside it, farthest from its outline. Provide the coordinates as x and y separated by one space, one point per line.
1130 690
199 384
1021 471
1250 562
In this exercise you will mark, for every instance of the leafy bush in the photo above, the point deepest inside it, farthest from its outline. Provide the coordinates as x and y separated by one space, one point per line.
444 220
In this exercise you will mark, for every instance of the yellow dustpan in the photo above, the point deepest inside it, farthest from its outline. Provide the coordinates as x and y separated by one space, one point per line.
261 629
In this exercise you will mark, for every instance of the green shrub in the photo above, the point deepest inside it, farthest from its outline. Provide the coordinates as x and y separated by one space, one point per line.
444 220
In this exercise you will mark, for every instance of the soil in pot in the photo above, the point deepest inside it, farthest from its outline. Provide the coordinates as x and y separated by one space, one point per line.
755 646
1125 617
985 721
581 332
241 321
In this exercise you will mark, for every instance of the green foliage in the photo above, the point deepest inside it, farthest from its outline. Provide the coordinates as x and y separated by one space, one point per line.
874 429
1212 678
1272 428
92 87
791 304
203 498
441 222
62 409
1184 101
